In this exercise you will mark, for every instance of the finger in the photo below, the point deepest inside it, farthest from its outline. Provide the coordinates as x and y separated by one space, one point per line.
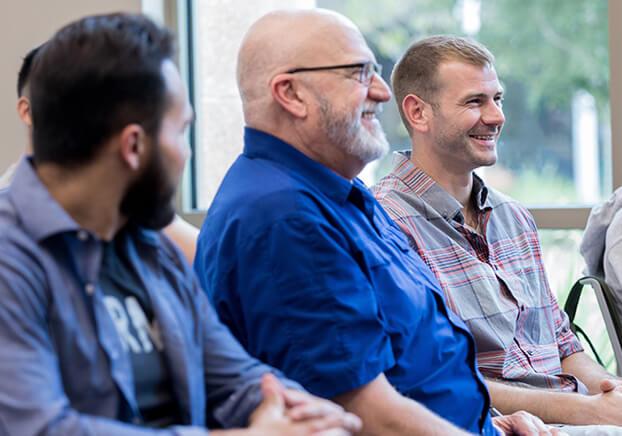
274 383
272 392
294 397
314 409
527 424
348 423
607 385
272 405
332 432
353 423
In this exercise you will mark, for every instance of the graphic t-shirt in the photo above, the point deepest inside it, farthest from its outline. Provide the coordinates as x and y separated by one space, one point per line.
130 308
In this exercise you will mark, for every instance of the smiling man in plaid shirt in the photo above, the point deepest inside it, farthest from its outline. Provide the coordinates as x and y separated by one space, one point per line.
481 245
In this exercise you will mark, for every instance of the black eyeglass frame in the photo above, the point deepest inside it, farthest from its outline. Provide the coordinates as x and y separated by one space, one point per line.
375 68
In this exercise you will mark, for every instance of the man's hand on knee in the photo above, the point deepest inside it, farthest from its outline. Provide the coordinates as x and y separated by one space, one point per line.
523 423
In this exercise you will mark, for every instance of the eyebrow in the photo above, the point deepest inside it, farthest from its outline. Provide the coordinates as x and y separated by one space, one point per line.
482 95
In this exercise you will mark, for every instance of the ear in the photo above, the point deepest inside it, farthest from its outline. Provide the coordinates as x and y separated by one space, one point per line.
23 110
133 148
417 112
287 94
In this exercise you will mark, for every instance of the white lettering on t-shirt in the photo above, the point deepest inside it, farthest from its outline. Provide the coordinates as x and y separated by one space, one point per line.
119 316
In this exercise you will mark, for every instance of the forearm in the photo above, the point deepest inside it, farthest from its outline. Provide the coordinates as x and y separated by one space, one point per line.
550 406
385 412
234 432
587 370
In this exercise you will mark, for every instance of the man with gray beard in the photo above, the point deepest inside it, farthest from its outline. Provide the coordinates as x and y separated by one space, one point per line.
306 268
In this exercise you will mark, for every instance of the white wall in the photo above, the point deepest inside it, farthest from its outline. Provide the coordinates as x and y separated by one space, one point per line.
23 25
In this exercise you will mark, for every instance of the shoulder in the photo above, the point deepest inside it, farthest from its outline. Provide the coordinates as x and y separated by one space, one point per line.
249 206
614 230
13 237
509 210
398 201
24 268
386 185
8 214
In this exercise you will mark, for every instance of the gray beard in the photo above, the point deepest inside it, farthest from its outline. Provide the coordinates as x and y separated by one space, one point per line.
347 133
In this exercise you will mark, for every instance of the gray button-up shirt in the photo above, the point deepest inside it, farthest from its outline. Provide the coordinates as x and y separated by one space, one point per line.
63 369
493 279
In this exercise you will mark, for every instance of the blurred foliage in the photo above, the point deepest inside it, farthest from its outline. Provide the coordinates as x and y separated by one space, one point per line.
528 187
555 46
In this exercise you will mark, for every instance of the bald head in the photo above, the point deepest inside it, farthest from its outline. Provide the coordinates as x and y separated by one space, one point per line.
285 39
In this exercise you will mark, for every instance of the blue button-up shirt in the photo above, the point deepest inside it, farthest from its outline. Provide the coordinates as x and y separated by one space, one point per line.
63 369
313 277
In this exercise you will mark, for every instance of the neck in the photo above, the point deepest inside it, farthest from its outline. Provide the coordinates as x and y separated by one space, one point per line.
457 182
92 204
334 159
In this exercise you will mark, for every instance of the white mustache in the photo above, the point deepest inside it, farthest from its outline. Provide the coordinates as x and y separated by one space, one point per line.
376 109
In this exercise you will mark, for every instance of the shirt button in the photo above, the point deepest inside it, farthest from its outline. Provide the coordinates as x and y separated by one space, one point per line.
89 288
83 235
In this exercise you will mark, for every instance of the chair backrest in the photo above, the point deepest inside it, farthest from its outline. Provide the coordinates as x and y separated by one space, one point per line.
608 311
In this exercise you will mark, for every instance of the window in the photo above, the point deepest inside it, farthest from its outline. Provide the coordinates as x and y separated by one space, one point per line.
552 58
557 60
555 153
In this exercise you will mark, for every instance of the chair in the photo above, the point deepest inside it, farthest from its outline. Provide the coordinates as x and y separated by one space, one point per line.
608 311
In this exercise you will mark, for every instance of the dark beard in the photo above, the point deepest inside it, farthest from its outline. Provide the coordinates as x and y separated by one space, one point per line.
149 201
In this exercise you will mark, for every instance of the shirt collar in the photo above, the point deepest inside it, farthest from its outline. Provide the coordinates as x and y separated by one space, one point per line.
41 214
258 144
480 193
423 186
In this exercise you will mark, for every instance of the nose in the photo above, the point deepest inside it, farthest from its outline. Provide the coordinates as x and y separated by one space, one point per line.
493 114
378 89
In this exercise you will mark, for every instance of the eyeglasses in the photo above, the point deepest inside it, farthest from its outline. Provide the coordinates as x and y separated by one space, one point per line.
367 70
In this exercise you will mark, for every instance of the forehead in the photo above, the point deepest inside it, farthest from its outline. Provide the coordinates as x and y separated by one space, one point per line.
457 78
342 43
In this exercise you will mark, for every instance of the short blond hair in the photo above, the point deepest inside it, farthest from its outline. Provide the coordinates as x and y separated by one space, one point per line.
416 71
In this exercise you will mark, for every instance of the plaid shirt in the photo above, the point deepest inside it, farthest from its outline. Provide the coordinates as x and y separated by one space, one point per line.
495 280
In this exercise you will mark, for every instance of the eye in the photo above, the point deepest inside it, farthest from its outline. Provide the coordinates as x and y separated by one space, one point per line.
474 101
499 100
358 71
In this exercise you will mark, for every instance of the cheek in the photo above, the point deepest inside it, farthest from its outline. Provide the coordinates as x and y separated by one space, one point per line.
175 151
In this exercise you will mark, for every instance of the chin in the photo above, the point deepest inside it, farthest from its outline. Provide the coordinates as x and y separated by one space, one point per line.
488 162
485 159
